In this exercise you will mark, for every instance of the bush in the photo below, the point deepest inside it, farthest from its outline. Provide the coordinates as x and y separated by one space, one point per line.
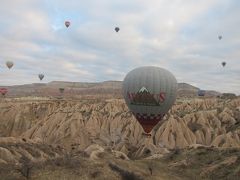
26 166
126 175
194 126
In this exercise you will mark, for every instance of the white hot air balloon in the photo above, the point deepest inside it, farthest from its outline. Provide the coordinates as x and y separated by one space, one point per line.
149 93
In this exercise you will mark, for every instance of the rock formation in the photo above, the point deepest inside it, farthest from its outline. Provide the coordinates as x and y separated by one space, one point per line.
108 123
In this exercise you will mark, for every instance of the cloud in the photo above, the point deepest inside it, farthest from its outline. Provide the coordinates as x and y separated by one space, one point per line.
180 35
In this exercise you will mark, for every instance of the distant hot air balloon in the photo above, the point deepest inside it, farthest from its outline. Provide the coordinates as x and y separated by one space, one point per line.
9 64
149 93
61 90
117 29
224 64
40 76
201 92
219 37
67 23
3 91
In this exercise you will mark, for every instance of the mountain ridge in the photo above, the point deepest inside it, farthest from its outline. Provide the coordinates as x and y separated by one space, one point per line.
89 88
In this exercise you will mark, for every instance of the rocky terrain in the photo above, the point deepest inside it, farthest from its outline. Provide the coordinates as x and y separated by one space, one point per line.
198 136
210 122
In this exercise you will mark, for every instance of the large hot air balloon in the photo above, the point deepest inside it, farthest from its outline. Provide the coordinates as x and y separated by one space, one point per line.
9 64
224 64
41 76
201 93
149 93
219 37
67 23
3 91
117 29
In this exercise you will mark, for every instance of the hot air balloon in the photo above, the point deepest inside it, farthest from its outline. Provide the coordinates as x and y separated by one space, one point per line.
149 93
224 64
9 64
61 90
219 37
3 91
201 92
67 23
117 29
41 76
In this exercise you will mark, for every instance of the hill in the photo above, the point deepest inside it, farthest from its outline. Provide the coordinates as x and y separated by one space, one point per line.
107 88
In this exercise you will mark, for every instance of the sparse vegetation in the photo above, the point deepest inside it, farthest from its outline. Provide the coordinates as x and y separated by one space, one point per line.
25 167
207 163
125 174
194 126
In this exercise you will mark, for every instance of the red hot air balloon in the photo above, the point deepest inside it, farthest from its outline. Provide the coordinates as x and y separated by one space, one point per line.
3 91
67 23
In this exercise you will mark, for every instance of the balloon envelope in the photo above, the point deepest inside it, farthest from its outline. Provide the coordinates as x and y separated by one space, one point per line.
3 91
61 90
223 64
67 23
41 76
149 93
201 93
117 29
219 37
9 64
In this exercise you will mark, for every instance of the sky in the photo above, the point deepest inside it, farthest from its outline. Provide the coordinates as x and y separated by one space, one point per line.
178 35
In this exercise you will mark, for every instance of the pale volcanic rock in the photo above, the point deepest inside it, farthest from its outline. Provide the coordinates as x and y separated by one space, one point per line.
175 133
93 147
120 155
123 149
226 117
146 148
196 146
6 155
110 123
62 128
7 140
19 117
235 102
13 149
227 140
94 151
2 162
